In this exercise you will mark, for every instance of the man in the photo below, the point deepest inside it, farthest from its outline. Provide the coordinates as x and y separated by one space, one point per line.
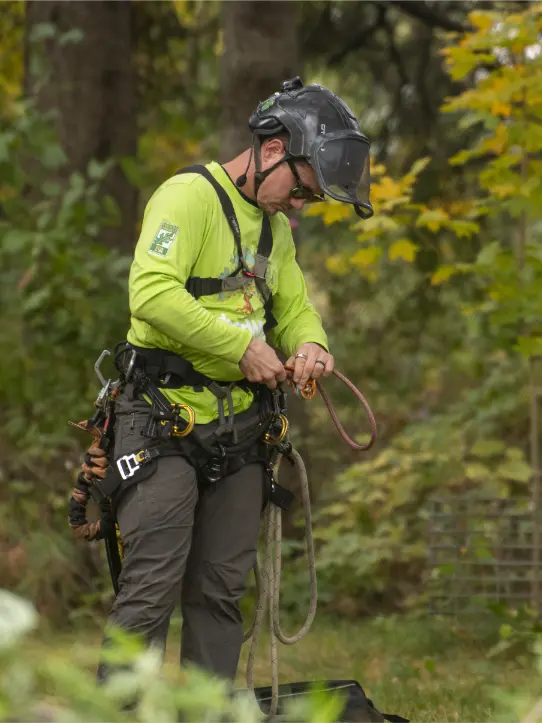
214 275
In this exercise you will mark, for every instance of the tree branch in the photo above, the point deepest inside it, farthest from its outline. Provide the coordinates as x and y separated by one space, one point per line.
358 40
421 11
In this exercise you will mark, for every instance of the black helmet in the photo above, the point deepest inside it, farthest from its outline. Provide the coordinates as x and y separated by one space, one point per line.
324 132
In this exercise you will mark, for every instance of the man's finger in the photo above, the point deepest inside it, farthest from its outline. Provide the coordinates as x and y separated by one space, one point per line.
299 366
330 366
318 369
308 371
96 451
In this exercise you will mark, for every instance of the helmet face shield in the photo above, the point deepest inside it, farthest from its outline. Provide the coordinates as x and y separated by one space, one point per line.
342 165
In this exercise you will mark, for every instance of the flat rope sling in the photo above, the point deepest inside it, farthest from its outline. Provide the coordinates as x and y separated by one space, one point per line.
268 576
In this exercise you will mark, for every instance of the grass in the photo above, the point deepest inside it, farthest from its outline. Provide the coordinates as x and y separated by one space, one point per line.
426 669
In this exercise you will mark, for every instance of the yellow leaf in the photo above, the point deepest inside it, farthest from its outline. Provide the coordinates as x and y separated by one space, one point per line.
337 264
375 226
366 257
378 169
498 142
433 219
330 211
501 109
219 45
403 249
335 211
481 20
504 190
443 274
385 190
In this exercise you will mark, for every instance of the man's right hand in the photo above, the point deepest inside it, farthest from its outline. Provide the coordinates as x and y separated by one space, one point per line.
259 363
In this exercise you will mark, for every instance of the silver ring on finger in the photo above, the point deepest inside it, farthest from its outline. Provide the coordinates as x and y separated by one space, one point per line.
301 356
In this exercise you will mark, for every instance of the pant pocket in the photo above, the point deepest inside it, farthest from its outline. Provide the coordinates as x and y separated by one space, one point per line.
128 432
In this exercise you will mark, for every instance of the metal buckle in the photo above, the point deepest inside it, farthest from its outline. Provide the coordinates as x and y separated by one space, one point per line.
130 464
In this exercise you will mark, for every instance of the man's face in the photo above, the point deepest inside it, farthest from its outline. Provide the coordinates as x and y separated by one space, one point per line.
274 193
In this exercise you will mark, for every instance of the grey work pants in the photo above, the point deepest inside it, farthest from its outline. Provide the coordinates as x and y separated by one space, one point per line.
180 546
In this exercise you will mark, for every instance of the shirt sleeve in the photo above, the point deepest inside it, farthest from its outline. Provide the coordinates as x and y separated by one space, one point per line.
298 321
172 236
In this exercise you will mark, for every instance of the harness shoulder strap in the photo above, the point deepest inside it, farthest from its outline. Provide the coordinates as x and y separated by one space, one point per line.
225 202
198 286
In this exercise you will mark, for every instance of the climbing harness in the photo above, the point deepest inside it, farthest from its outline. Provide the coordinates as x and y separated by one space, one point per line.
170 432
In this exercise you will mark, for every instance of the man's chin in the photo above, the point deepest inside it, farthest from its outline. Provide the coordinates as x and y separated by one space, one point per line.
268 208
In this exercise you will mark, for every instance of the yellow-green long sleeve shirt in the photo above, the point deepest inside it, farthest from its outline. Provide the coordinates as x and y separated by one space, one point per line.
185 233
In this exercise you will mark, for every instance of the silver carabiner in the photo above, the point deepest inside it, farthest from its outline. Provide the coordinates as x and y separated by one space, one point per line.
98 364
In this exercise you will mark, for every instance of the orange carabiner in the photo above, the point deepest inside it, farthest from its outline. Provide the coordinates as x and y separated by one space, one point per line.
309 390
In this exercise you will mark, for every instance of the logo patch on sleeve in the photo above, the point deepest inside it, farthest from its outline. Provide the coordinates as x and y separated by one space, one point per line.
163 241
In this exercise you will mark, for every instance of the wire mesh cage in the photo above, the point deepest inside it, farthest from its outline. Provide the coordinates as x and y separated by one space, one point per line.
483 550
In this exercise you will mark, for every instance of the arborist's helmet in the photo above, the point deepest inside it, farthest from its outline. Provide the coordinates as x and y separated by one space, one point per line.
322 131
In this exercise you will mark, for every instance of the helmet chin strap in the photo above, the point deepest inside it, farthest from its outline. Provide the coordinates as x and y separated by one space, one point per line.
259 175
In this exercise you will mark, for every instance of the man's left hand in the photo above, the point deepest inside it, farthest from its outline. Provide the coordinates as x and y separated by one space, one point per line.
310 360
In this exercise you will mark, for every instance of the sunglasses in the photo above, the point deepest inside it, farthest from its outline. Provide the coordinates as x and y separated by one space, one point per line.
300 191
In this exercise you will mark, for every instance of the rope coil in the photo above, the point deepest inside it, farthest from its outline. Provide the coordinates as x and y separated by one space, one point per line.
268 586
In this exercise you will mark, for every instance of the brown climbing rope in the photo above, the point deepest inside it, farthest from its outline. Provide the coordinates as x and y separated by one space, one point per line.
309 391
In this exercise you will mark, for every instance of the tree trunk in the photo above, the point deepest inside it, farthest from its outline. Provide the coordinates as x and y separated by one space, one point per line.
91 90
260 50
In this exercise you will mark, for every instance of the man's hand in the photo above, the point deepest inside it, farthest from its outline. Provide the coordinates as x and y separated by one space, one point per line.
99 461
310 360
259 363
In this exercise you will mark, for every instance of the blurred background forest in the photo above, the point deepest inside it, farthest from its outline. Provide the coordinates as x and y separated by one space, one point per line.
433 307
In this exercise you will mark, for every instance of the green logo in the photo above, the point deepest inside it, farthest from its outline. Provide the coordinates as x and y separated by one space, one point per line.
267 103
162 242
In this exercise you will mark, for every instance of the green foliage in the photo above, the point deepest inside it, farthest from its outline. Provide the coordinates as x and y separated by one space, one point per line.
32 687
63 298
434 306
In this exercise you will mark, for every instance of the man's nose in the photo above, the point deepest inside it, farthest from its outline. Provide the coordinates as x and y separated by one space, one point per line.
298 203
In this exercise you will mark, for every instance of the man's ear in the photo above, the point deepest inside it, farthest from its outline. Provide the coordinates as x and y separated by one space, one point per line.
274 148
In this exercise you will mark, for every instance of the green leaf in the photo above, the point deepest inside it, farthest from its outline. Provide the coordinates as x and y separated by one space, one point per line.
53 157
6 140
96 170
432 219
465 229
488 254
133 170
515 469
487 448
443 273
506 630
477 471
429 665
112 212
529 346
72 36
15 240
35 300
42 31
51 188
470 119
